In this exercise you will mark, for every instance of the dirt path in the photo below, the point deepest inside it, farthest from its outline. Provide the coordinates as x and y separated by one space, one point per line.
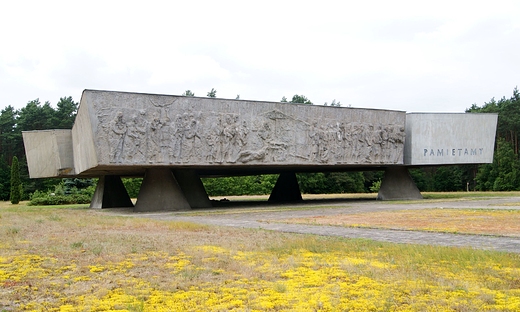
261 215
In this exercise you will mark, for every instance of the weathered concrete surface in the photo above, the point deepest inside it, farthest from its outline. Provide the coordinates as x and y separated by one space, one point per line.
192 187
449 138
160 191
110 193
123 132
49 153
398 184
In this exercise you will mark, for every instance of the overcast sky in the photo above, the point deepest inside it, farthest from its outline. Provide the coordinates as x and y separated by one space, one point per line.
416 56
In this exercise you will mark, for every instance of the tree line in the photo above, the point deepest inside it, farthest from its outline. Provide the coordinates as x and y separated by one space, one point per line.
502 175
34 116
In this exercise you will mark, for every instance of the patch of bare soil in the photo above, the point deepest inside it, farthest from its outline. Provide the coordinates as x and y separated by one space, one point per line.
470 221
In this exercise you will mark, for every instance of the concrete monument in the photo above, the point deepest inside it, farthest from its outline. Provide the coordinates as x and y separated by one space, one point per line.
172 140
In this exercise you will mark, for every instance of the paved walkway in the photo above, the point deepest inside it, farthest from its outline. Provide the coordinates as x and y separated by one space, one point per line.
267 217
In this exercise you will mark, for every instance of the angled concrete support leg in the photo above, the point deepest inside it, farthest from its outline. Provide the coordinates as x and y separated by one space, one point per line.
192 187
286 189
160 191
398 184
110 193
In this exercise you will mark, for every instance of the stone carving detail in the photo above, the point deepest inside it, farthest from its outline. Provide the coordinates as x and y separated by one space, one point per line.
164 134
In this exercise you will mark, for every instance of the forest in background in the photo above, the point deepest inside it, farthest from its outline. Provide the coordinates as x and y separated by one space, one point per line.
502 175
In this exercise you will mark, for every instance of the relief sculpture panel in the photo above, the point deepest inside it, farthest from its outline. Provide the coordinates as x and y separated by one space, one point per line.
193 131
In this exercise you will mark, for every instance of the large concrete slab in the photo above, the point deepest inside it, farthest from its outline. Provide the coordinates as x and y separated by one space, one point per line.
449 138
133 134
192 187
124 132
49 153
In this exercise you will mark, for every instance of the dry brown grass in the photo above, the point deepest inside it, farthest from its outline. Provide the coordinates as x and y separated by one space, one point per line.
490 222
70 255
83 238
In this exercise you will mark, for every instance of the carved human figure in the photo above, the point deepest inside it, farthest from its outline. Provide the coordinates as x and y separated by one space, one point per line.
324 147
248 156
236 140
154 144
104 133
212 143
264 133
334 139
354 141
384 144
377 148
192 137
395 139
240 139
370 142
399 141
377 143
228 136
315 141
349 142
214 140
164 137
175 146
136 134
338 131
243 131
141 130
357 141
118 128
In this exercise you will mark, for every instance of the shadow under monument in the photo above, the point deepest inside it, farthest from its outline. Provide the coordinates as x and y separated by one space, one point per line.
225 203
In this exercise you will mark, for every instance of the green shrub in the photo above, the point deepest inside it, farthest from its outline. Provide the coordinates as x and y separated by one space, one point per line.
376 185
88 191
132 185
59 200
38 194
240 185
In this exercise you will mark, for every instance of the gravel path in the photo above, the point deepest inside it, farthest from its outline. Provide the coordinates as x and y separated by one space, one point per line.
267 217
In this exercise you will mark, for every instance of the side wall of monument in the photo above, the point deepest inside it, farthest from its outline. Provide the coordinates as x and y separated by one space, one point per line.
84 145
449 138
49 153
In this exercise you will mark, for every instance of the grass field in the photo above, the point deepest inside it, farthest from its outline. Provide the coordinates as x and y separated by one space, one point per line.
77 259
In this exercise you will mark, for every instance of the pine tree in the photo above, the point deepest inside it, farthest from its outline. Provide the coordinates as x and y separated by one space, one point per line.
16 192
212 93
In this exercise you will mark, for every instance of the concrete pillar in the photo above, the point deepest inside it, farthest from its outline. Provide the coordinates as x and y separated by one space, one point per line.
286 189
110 193
398 184
160 192
192 187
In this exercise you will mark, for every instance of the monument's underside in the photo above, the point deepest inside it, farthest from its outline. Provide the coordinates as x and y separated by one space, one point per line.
130 134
